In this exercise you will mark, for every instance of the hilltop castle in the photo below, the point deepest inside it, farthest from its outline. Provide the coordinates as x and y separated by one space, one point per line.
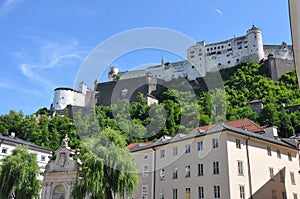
202 58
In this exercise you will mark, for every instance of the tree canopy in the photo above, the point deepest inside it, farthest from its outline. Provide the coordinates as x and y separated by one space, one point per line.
18 175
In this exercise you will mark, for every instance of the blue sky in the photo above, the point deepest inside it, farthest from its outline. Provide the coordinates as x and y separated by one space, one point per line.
44 43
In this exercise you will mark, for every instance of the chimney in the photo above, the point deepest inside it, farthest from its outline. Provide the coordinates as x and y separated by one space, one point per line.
271 132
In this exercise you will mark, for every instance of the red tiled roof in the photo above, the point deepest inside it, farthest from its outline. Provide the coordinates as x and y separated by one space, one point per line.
241 123
130 146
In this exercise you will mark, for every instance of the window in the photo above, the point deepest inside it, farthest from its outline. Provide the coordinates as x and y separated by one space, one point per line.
238 143
145 170
283 195
145 192
269 151
242 191
278 153
271 170
161 194
4 150
162 174
200 146
281 172
215 167
188 171
187 193
289 156
201 192
295 196
217 193
175 150
240 168
174 194
175 173
162 153
292 178
187 148
274 194
200 170
215 143
43 158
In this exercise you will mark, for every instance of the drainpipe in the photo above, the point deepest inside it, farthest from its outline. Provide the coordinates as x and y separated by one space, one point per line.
249 170
154 172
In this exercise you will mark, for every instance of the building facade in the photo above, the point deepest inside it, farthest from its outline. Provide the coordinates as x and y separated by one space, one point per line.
61 174
220 162
8 144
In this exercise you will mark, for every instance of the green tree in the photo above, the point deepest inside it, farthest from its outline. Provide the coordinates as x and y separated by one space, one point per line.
18 176
108 168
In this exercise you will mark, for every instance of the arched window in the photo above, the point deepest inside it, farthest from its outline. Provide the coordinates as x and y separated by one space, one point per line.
59 192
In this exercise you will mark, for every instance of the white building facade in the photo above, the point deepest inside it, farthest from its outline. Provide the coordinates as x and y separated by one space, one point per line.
9 143
221 162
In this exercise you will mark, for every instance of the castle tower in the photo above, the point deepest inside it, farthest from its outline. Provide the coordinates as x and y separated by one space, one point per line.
255 47
196 58
162 61
113 72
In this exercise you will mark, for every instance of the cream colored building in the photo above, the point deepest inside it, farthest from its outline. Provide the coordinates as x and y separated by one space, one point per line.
221 161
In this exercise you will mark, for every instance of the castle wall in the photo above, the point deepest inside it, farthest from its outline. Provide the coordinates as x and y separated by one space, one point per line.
168 71
213 57
67 96
203 58
282 51
278 66
111 92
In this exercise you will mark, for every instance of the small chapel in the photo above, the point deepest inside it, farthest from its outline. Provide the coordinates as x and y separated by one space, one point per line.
61 174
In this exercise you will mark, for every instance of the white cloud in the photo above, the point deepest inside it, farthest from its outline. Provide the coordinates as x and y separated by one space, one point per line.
49 57
218 11
10 86
8 5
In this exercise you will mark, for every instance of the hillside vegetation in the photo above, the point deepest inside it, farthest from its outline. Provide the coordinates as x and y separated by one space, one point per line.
177 111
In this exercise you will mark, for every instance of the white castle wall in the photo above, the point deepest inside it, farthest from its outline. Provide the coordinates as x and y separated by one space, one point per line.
203 58
168 71
212 57
67 96
282 51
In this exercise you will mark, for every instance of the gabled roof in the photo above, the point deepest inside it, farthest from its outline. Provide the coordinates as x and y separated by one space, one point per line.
274 140
244 123
16 141
133 145
215 129
177 137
